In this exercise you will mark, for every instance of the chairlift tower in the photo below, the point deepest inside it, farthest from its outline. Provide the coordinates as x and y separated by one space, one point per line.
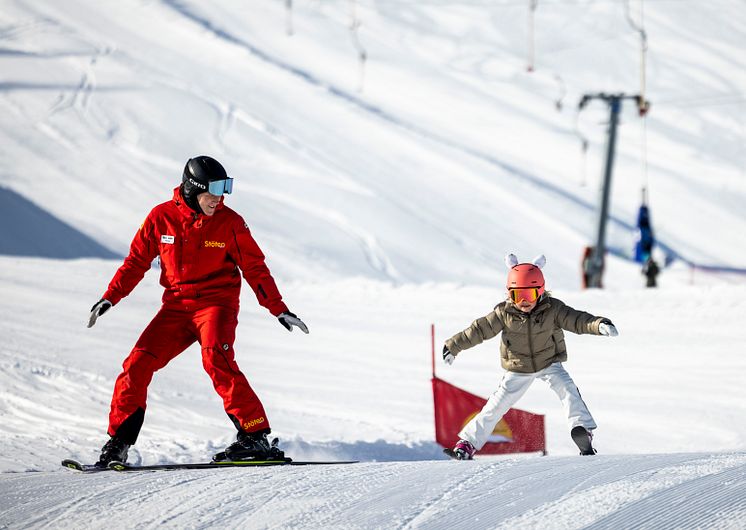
594 270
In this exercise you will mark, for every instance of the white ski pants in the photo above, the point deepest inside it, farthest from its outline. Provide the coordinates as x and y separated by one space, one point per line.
512 387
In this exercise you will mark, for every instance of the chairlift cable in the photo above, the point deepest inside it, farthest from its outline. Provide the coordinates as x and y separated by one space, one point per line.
355 24
643 104
644 125
532 4
583 147
562 92
289 17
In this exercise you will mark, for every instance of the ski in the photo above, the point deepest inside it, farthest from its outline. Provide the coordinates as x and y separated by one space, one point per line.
451 453
83 468
119 466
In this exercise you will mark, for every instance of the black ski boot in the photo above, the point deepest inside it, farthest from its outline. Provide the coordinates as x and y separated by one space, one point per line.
583 439
251 446
115 450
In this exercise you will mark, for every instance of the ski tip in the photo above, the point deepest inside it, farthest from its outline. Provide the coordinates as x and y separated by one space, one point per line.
83 468
72 464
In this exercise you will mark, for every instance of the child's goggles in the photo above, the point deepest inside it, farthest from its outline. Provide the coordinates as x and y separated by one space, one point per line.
530 294
218 187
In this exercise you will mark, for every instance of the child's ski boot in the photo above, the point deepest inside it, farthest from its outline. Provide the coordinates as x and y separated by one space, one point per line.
462 451
583 439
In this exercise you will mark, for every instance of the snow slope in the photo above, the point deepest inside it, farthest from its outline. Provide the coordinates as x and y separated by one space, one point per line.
666 394
450 141
381 211
664 491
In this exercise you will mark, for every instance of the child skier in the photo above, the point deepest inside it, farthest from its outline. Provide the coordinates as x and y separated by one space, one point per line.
532 347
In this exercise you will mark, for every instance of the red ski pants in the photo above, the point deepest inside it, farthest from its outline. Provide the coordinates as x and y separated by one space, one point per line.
169 334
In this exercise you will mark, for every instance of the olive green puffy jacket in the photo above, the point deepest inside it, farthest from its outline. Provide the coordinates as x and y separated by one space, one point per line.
530 341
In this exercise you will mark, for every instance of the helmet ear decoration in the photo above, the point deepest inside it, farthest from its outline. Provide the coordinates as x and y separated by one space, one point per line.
511 260
539 261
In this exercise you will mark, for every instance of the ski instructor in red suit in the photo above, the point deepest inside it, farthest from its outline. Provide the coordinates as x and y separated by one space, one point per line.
204 248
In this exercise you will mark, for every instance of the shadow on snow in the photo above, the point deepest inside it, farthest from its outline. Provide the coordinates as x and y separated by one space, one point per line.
30 231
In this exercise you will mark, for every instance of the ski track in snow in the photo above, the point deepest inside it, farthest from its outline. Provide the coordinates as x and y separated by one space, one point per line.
365 239
622 491
520 176
717 500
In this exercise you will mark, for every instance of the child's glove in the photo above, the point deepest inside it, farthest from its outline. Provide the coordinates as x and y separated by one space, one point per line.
607 328
448 357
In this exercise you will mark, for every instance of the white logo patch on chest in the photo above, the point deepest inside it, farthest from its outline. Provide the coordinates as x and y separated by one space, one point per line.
169 240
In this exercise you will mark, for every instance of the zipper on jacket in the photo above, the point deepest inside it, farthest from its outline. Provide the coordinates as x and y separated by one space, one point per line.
531 345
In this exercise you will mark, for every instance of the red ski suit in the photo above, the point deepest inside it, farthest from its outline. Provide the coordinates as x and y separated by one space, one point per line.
202 259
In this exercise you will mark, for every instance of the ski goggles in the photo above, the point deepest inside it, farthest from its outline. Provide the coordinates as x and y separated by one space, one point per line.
530 294
219 187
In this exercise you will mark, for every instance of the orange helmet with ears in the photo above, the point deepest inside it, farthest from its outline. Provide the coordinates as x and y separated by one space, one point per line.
525 275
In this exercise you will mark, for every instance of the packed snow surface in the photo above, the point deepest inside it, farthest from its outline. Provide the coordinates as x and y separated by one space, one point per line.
667 394
385 200
629 491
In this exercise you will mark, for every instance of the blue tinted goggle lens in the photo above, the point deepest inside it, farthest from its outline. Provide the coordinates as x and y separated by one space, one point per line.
219 187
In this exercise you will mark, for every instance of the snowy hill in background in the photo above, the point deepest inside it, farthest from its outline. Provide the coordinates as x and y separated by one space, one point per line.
452 148
380 211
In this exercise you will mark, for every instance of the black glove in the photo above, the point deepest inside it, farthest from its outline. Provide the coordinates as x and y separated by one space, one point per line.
289 320
98 309
448 357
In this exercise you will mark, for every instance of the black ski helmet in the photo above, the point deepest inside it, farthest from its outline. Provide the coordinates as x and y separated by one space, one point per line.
198 173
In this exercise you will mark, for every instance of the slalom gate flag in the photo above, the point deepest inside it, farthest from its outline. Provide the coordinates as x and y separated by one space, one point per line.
517 432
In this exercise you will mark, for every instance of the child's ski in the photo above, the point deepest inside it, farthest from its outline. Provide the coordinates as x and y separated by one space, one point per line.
450 453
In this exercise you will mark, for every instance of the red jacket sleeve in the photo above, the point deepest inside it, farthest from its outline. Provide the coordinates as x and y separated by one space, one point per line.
250 259
143 250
